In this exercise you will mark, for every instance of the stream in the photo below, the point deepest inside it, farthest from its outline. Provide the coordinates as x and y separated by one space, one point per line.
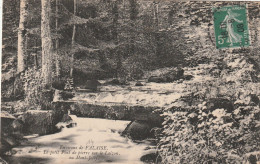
90 141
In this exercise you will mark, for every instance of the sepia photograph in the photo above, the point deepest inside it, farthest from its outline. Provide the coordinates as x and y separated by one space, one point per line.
130 82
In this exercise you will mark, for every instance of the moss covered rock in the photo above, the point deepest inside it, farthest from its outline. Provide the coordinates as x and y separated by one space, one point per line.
40 122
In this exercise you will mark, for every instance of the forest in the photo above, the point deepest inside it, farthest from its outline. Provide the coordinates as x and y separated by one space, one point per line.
158 56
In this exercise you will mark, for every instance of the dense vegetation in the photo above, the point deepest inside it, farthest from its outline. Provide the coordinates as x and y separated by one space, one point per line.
216 120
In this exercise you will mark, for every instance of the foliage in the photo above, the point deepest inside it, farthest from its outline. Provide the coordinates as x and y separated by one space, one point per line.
216 136
194 132
141 33
12 86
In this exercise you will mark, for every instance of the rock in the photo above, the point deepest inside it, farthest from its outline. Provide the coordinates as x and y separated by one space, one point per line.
11 141
60 125
40 122
92 85
176 74
170 76
157 79
58 84
187 77
5 114
111 111
17 125
66 121
11 132
66 118
116 82
6 122
180 72
138 84
151 158
4 146
138 130
71 125
65 95
217 103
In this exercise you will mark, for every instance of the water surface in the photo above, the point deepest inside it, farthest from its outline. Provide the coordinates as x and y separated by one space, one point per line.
91 141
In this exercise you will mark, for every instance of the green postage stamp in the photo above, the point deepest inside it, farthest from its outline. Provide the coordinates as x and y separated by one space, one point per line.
231 27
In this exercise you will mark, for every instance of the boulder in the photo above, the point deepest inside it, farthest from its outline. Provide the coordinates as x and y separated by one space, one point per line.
218 103
9 140
151 158
40 122
187 77
175 74
11 132
6 121
138 130
168 77
92 85
138 84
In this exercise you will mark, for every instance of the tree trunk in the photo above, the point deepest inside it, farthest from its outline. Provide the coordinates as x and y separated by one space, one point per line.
156 33
73 40
156 19
21 36
133 17
47 48
57 64
115 14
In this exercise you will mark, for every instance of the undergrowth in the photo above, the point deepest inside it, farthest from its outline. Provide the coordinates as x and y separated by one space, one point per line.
219 120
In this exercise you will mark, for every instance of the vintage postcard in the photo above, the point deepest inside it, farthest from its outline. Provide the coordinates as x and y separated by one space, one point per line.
130 81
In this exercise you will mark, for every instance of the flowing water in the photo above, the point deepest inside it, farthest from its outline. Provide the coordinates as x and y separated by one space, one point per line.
91 141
